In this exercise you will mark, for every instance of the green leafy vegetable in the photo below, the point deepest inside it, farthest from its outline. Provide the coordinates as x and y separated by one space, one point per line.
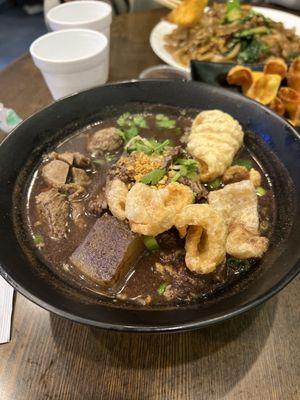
186 168
38 240
151 243
244 163
124 119
162 121
147 146
252 51
153 177
248 33
260 191
233 10
213 185
129 125
140 121
162 288
291 55
128 134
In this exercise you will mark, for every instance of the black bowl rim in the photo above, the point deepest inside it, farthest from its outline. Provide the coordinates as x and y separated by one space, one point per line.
161 328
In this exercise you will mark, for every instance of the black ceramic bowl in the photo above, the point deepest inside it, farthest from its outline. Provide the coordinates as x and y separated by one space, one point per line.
275 143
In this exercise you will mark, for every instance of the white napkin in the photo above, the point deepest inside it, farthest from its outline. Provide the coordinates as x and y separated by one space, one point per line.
6 301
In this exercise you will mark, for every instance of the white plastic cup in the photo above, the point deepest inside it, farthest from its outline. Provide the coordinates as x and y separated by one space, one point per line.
95 15
71 60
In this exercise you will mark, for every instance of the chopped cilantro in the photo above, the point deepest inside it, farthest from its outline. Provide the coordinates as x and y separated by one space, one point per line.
129 125
186 168
140 121
162 121
124 119
153 177
147 146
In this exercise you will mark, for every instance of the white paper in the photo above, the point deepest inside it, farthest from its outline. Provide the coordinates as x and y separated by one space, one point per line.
6 301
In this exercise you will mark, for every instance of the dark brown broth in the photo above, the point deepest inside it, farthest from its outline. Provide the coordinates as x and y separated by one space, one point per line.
144 279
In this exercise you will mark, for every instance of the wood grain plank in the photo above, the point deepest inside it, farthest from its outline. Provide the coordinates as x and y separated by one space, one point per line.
253 357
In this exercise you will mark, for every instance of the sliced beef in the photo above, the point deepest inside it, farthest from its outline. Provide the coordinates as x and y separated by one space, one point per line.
171 154
80 177
108 251
200 191
53 208
55 173
97 204
105 140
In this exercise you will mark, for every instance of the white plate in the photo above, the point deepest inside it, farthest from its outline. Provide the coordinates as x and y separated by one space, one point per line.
163 28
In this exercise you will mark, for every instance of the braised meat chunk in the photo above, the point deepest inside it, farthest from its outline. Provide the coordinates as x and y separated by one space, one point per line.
108 251
53 209
55 173
80 177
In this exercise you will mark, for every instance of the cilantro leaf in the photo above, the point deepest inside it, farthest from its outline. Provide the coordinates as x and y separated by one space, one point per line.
186 168
147 146
153 177
162 121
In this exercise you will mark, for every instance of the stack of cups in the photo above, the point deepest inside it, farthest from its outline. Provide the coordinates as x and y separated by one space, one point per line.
76 56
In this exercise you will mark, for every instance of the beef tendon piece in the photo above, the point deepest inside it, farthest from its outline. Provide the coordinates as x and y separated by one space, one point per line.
53 208
106 139
55 173
108 251
80 177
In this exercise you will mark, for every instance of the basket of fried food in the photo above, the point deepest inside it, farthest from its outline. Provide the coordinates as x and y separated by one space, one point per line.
277 86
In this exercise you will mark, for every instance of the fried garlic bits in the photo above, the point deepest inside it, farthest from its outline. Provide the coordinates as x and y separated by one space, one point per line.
205 239
237 203
151 211
116 194
214 140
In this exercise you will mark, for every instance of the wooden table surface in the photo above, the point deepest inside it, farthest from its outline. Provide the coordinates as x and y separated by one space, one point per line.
255 356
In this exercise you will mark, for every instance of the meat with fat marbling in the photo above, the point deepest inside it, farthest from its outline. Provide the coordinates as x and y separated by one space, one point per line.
53 208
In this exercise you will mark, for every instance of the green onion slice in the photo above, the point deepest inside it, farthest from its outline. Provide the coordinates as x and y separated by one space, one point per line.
244 163
213 185
162 288
260 191
151 243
